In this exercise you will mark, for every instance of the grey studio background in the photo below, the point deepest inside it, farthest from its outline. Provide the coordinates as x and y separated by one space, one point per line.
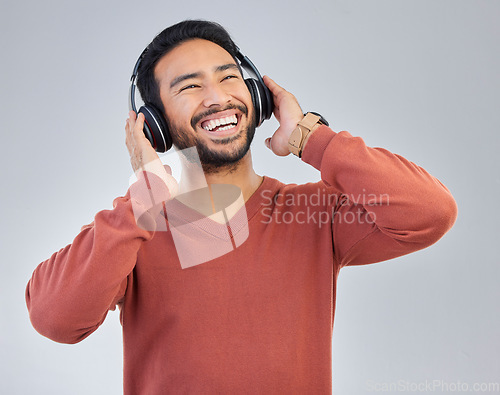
419 78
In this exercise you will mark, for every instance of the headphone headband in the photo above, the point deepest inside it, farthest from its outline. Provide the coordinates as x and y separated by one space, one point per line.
133 83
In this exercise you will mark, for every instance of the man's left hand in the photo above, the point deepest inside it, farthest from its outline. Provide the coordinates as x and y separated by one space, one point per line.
288 113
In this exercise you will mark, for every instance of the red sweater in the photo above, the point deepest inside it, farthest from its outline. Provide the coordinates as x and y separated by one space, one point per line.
258 319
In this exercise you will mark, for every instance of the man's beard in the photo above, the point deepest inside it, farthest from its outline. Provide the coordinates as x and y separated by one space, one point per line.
214 161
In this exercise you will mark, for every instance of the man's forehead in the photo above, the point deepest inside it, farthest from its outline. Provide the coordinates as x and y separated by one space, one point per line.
192 56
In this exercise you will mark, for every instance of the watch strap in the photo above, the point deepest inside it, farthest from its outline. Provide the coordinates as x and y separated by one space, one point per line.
300 133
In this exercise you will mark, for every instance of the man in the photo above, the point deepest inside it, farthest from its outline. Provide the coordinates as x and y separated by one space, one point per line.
259 318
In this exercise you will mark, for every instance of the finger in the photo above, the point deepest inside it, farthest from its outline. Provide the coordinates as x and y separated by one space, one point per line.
128 137
138 129
129 129
273 86
139 122
280 95
130 123
134 134
132 139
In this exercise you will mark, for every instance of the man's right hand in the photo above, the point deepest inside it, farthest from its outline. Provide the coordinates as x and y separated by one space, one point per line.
140 149
143 157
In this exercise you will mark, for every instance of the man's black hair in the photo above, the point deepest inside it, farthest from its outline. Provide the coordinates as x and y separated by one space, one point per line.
167 40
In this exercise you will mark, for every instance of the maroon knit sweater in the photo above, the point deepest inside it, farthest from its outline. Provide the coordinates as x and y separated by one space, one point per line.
258 319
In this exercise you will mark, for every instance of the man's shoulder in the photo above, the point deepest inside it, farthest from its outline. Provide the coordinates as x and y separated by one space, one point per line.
278 186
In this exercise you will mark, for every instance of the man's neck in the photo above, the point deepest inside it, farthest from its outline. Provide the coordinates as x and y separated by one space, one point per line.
195 194
241 175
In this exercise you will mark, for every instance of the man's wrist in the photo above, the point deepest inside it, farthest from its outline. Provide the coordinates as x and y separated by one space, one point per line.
300 135
306 139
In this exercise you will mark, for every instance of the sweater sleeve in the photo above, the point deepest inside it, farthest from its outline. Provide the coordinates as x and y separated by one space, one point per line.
388 206
69 295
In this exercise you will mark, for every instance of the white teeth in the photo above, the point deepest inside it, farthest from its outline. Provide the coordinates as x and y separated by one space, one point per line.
213 123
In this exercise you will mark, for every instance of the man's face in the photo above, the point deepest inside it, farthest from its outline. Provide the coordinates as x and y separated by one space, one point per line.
207 103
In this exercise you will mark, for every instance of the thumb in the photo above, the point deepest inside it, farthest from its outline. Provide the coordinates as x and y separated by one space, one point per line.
278 144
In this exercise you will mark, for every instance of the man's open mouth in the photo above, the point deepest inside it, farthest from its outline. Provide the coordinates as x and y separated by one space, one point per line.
220 124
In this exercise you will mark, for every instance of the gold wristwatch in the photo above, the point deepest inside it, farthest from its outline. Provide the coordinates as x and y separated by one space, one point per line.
300 133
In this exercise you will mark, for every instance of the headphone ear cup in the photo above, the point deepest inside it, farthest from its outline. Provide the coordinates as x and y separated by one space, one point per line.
267 101
156 129
261 98
257 102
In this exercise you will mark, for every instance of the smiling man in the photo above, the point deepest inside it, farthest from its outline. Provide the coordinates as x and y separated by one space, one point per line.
257 319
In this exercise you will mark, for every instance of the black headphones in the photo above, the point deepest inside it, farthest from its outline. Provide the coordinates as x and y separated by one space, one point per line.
155 125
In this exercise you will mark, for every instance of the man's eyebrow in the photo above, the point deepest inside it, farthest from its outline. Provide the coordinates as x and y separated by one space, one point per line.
225 67
185 77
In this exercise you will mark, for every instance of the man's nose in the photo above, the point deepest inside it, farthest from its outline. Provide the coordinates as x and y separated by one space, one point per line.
215 95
